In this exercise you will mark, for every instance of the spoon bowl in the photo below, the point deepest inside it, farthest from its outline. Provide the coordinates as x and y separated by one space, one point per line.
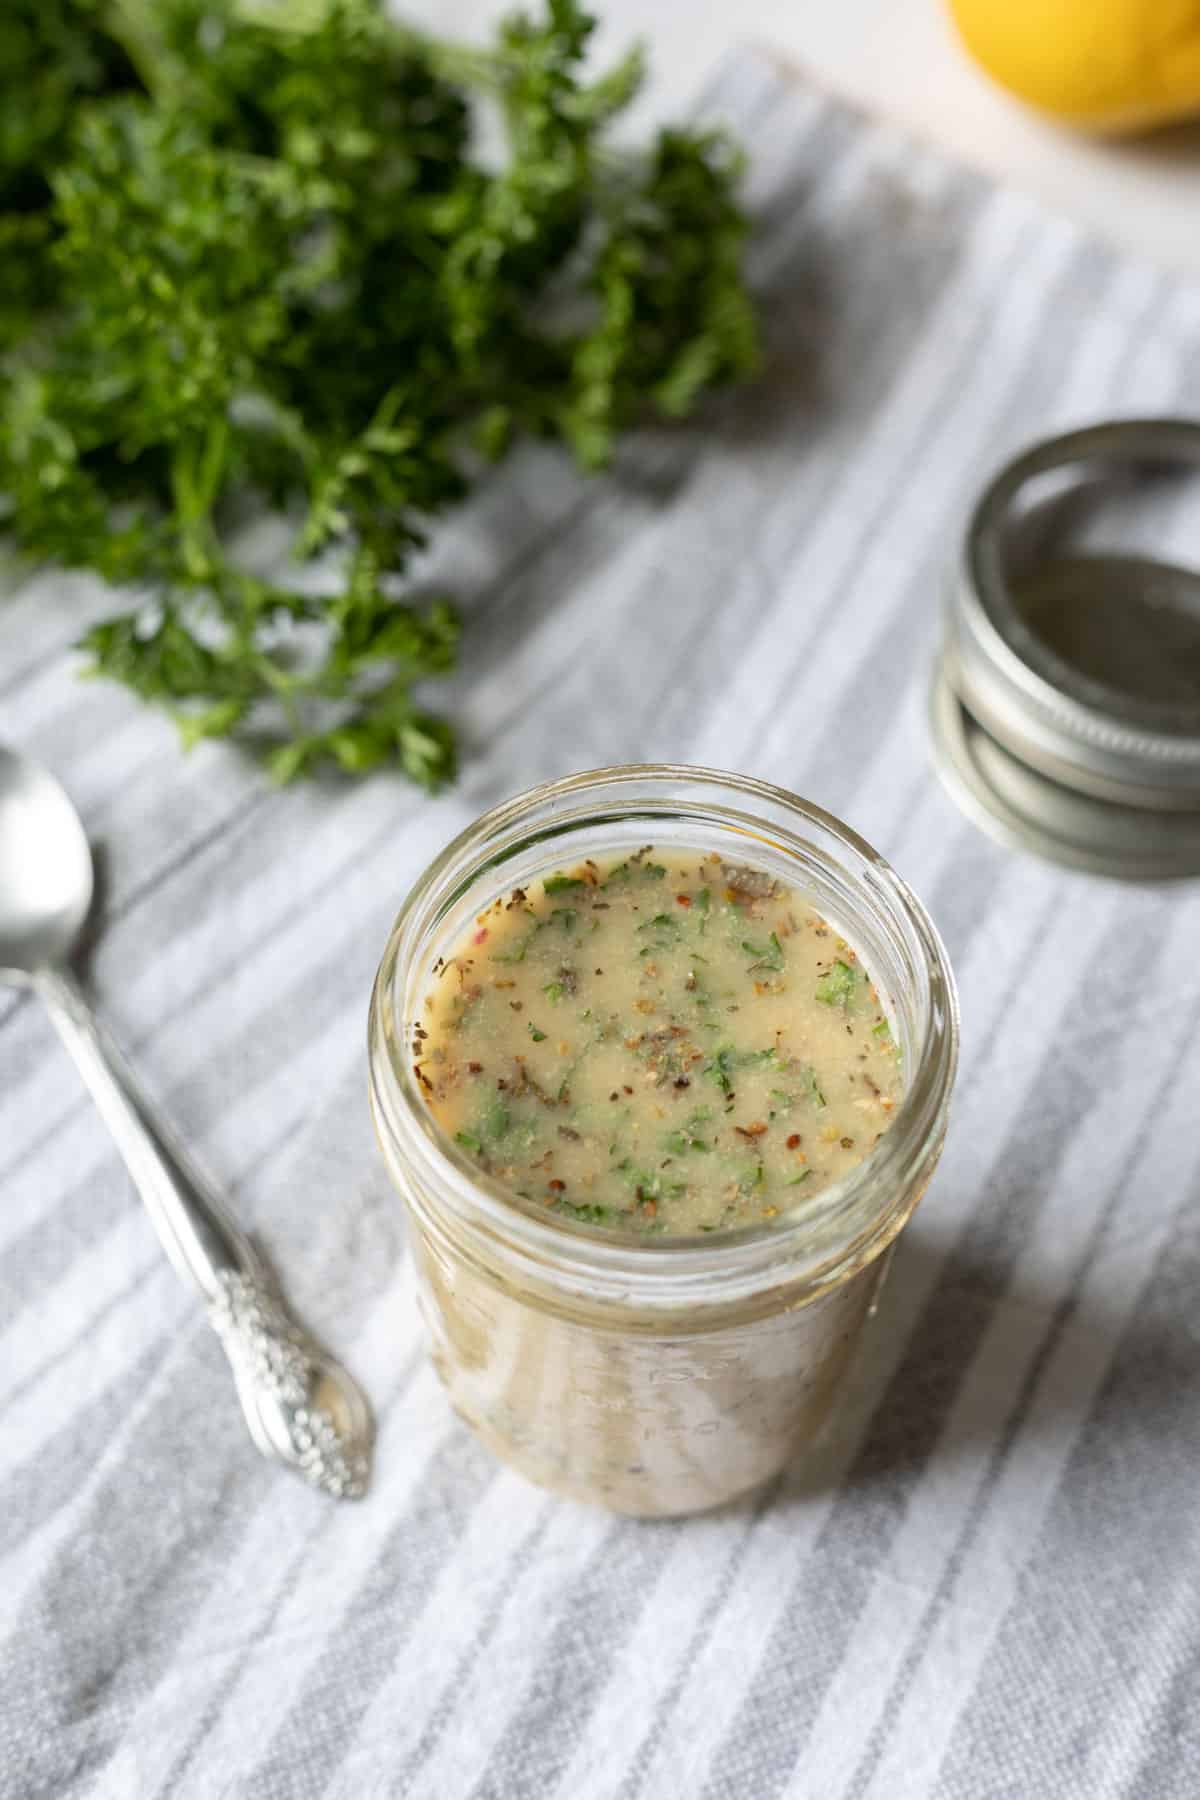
46 875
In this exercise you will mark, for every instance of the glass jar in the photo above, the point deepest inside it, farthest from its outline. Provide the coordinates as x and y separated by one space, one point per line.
665 1375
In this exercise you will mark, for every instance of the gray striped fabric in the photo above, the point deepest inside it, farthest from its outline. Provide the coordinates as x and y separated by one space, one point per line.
986 1583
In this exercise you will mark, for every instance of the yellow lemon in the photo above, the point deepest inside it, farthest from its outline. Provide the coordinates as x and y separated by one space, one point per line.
1108 65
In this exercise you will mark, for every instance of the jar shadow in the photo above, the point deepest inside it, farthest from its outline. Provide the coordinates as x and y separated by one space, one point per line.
991 1360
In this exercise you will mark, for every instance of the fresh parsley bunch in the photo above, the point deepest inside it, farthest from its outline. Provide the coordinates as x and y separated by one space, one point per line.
251 265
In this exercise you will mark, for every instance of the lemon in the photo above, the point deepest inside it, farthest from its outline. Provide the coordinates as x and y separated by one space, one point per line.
1107 65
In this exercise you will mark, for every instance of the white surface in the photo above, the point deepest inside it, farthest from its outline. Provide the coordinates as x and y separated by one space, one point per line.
902 58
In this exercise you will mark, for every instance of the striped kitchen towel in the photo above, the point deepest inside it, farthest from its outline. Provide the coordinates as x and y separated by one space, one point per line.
988 1583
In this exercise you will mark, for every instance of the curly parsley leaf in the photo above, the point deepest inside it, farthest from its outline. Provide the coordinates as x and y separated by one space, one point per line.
255 271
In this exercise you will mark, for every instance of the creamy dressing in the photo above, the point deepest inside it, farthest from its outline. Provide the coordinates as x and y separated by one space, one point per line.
668 1043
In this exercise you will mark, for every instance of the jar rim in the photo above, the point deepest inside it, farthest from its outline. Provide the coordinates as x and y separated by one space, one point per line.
409 1130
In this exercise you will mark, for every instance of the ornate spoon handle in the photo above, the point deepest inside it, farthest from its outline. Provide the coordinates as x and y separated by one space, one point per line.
301 1407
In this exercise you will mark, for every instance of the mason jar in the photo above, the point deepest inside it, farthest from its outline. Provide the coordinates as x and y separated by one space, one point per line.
656 1375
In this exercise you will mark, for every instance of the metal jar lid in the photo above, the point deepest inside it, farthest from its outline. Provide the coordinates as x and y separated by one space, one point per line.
1066 707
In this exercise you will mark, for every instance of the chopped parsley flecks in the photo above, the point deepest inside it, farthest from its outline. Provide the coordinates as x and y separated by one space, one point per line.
767 956
839 987
667 1044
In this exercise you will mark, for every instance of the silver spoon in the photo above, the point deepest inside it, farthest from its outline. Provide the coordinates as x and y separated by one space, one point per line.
301 1406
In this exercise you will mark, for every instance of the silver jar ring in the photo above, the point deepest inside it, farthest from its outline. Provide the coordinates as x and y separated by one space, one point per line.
1122 743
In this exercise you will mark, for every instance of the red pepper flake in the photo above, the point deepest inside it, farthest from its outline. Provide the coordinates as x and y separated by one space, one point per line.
650 1208
557 1187
794 1141
683 899
474 1068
